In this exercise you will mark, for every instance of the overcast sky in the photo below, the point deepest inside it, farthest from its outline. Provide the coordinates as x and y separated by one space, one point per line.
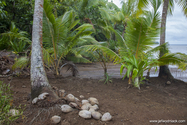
176 26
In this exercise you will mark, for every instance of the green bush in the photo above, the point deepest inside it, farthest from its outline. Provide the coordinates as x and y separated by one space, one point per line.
6 101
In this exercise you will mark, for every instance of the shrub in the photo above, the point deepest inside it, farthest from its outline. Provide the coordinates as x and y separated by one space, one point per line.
6 101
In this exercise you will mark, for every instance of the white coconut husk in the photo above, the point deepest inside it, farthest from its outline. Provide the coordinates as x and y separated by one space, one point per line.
85 114
93 101
86 106
95 107
70 98
73 105
66 108
55 119
42 96
91 110
96 115
34 101
106 117
77 100
84 101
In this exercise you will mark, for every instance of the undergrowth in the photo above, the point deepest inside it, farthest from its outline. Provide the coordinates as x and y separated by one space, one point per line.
6 104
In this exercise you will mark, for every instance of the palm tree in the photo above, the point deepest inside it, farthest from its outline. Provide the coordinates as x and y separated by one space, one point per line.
14 40
62 36
168 5
39 81
134 50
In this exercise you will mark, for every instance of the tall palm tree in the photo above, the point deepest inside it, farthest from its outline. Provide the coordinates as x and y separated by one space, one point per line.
167 6
39 81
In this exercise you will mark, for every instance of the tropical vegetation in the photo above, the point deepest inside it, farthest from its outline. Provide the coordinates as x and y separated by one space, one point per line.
92 31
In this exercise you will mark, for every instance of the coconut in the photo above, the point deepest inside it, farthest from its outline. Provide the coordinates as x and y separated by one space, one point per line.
85 101
55 119
86 106
96 115
77 100
14 112
34 101
95 107
93 101
70 98
85 114
43 96
106 117
73 105
91 110
66 108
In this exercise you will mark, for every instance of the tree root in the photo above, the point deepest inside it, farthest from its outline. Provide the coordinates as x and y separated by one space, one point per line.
42 114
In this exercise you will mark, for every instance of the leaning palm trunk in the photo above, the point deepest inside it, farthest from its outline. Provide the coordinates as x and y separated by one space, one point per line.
164 70
39 80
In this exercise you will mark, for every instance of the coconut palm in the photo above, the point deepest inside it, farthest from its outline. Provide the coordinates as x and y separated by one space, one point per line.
140 35
136 41
39 81
168 6
135 48
62 36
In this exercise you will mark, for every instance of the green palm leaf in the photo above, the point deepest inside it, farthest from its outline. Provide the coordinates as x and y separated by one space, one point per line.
21 62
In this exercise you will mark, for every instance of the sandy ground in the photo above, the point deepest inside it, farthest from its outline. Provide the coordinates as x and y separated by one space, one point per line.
128 106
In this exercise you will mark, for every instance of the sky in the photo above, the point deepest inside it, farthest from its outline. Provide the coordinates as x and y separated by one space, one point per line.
176 26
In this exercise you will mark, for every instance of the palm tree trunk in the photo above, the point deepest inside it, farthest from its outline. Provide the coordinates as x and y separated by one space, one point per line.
124 29
164 70
39 81
113 35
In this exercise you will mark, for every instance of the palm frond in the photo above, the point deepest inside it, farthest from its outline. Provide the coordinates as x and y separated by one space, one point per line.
142 4
48 11
85 26
183 5
92 3
171 7
112 6
105 50
142 32
172 59
71 66
104 13
164 48
47 56
21 63
155 5
78 59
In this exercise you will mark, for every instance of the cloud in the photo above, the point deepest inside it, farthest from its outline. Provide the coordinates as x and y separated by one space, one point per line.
176 27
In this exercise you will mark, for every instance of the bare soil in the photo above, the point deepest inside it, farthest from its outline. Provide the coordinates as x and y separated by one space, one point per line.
128 106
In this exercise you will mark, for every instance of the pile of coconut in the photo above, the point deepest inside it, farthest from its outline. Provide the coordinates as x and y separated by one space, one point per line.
88 108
